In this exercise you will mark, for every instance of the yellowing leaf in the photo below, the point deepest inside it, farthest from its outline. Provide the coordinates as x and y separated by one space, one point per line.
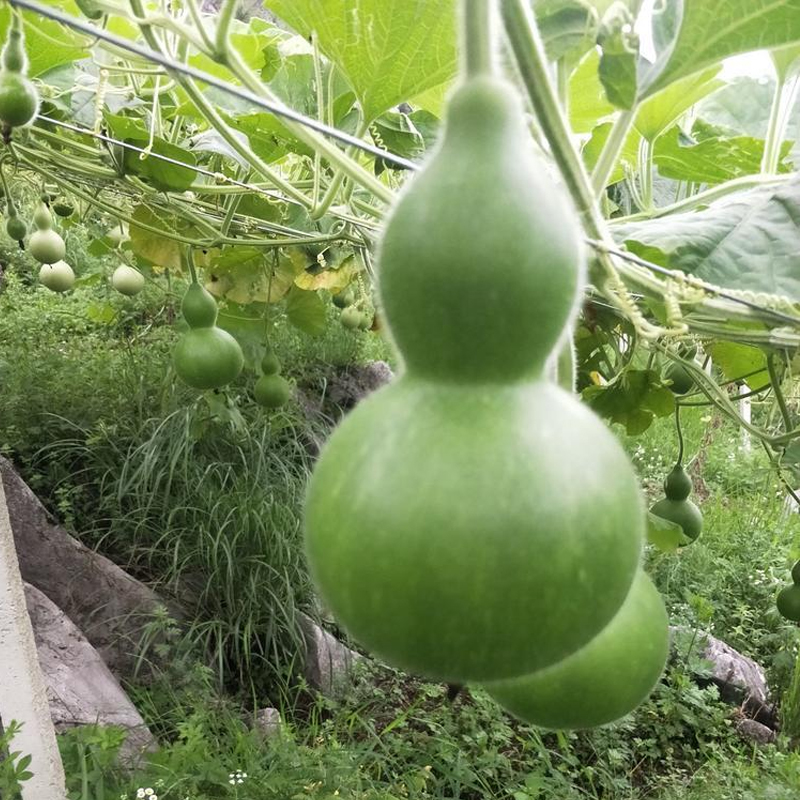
330 279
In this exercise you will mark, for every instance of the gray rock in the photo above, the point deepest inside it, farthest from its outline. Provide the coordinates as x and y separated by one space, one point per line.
80 688
352 384
740 680
328 663
109 606
267 722
755 731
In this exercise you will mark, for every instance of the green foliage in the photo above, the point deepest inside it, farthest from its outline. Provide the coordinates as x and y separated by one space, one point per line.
709 243
14 766
383 69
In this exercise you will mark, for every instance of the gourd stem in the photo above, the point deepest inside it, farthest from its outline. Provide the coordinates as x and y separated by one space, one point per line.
477 36
190 263
680 432
528 49
609 155
775 381
786 90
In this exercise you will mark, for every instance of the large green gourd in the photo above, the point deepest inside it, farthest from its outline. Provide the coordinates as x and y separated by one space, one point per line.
603 681
472 521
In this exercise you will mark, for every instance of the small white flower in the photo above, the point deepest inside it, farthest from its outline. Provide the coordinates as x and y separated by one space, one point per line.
148 792
244 774
140 794
232 782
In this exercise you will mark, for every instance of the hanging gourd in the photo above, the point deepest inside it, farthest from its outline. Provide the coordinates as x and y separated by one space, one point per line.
205 357
19 100
15 225
472 521
676 507
272 390
45 245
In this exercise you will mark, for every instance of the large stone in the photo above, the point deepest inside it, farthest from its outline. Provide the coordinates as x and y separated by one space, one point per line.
347 387
109 606
80 688
740 679
328 663
267 722
755 731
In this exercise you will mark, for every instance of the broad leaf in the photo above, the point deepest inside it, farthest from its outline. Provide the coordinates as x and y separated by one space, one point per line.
665 535
588 104
331 279
162 175
748 241
389 50
627 157
633 399
157 249
618 63
712 160
568 27
712 30
657 113
739 360
306 311
246 323
249 274
48 44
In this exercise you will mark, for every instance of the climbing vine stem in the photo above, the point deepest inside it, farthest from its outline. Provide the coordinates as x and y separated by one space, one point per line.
679 432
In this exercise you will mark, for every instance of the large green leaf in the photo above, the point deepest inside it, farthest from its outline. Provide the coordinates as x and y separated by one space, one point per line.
628 155
588 104
306 311
389 50
619 60
633 399
160 174
48 44
247 275
712 160
256 44
740 361
568 27
746 241
712 30
657 113
160 250
665 535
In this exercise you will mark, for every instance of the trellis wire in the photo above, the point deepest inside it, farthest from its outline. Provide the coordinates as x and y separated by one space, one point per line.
284 111
277 109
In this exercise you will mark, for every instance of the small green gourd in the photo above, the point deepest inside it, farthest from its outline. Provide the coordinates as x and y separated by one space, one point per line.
270 363
15 225
45 244
351 318
680 380
272 391
788 602
676 506
205 357
678 484
19 100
